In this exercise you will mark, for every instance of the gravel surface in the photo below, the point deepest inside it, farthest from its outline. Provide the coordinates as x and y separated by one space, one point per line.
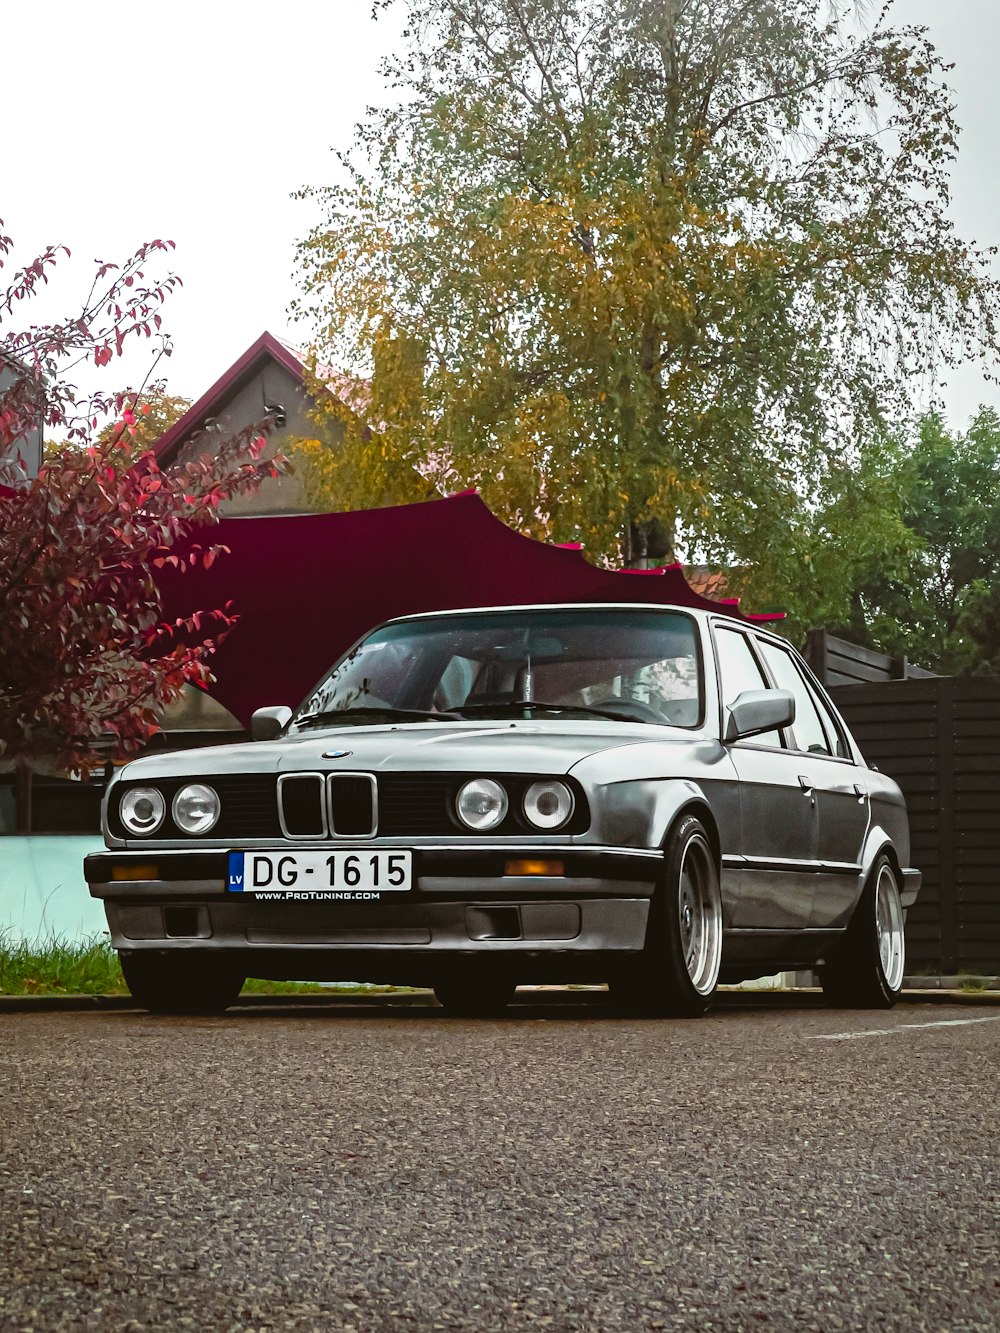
399 1170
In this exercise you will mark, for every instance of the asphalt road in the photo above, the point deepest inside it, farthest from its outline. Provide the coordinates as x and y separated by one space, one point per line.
400 1170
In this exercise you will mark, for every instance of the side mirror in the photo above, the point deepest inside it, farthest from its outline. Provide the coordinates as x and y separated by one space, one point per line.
267 724
757 711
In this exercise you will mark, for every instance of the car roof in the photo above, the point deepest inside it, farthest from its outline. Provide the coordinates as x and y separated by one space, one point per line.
697 613
555 606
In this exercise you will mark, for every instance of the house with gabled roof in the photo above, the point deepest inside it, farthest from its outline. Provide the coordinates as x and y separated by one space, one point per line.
20 443
268 381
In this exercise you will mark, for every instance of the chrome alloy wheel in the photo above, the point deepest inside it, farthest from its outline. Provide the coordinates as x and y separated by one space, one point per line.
699 911
889 925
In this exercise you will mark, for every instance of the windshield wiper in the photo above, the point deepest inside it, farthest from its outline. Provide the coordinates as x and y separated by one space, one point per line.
521 704
366 714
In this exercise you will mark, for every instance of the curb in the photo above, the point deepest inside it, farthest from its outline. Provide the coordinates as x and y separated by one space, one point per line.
960 983
812 997
932 991
987 997
70 1003
12 1004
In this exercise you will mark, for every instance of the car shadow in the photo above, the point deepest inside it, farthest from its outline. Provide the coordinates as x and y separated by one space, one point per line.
566 1005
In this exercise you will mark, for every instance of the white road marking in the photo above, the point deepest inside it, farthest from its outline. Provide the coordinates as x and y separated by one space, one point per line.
849 1036
903 1027
950 1023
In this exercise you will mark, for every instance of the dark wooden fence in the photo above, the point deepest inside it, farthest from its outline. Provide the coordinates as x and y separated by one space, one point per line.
940 739
838 662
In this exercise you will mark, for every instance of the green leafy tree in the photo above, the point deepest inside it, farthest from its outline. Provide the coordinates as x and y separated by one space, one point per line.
142 416
622 261
138 418
941 607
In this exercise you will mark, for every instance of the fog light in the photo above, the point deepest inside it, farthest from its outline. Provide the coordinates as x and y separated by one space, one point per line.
534 868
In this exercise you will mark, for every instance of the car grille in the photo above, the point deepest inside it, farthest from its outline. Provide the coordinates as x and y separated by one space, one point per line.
302 800
414 804
352 805
294 806
249 807
320 805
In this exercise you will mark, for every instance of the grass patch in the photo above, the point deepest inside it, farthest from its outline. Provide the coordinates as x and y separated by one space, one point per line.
260 986
90 967
55 967
975 984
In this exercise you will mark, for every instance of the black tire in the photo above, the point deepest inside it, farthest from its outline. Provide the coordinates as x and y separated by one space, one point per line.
182 982
866 970
468 997
677 972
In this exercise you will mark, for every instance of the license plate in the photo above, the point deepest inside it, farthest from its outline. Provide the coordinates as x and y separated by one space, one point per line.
343 875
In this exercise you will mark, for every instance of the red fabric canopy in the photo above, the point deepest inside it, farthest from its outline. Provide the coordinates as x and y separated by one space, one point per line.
306 586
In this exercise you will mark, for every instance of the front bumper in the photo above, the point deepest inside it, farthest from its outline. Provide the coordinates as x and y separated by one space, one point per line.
462 903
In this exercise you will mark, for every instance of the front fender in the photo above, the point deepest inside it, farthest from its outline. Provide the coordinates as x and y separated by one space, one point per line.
640 813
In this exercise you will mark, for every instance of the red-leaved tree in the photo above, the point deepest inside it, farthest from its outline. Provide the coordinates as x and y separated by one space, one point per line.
86 662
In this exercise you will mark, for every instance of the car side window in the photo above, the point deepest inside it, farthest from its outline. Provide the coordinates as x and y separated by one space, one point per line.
739 671
833 728
810 733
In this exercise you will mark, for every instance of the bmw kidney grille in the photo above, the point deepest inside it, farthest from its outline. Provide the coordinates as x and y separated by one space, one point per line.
336 805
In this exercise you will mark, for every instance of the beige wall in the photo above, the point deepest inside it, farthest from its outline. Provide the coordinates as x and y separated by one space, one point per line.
274 384
197 711
29 446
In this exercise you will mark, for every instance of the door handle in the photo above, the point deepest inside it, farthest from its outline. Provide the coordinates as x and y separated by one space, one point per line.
860 792
806 785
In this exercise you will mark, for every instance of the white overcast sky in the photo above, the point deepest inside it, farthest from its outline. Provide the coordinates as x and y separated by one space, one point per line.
196 121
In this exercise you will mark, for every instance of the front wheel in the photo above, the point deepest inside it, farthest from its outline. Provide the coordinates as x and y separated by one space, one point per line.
678 970
866 971
181 982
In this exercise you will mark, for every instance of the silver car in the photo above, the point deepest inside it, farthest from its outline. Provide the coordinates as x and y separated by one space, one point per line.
657 798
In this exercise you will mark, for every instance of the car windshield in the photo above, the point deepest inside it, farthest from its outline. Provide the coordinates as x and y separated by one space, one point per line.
628 664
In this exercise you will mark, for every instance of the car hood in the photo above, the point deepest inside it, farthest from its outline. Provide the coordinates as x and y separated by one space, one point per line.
503 746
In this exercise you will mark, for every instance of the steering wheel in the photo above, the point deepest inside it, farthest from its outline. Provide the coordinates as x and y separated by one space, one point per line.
633 708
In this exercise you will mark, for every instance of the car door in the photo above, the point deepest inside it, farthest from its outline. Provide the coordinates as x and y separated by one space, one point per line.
768 880
838 787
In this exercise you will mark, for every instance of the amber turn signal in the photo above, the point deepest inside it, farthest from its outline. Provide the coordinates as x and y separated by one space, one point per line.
534 868
131 872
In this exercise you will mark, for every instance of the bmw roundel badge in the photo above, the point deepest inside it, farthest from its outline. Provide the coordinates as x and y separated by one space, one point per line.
336 754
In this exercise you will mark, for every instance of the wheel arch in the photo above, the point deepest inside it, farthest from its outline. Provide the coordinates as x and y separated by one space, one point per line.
866 969
878 843
701 810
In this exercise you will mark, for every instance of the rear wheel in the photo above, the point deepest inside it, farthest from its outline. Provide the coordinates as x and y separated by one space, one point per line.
866 972
678 970
182 982
469 997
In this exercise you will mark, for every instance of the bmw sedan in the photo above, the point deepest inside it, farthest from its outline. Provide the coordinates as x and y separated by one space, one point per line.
655 798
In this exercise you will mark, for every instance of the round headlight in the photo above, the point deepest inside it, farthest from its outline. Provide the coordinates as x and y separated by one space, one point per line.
196 808
142 810
548 805
481 804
